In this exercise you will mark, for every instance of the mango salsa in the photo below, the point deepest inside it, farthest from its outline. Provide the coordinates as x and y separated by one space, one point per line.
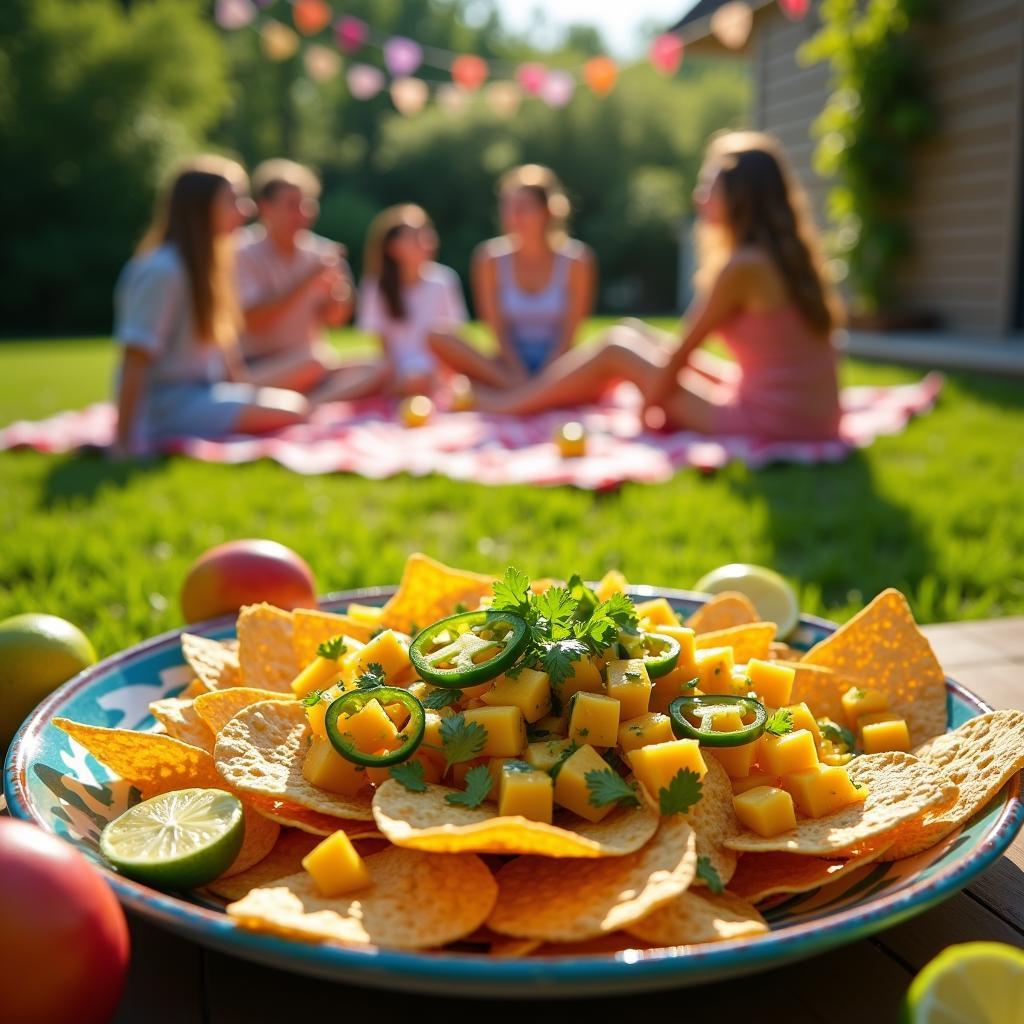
714 669
629 684
387 650
506 730
325 768
370 728
772 683
647 728
586 677
657 764
336 867
753 780
890 735
317 675
804 719
657 612
432 769
594 719
861 700
545 754
315 713
821 790
526 793
528 690
766 810
571 790
792 752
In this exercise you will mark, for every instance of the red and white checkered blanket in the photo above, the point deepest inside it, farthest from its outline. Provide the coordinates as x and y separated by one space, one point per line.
368 439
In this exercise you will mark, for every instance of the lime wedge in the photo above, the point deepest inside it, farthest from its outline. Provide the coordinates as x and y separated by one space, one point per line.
177 840
772 596
973 983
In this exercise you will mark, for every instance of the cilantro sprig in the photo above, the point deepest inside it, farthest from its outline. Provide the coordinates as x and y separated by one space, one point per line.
312 698
607 787
410 775
479 782
683 791
709 874
461 740
441 698
332 649
373 677
836 733
779 722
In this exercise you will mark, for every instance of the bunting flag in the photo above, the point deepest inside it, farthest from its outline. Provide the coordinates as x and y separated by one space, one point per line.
731 24
666 53
795 10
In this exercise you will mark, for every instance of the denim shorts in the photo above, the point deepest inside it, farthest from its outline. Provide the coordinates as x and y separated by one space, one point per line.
195 409
534 352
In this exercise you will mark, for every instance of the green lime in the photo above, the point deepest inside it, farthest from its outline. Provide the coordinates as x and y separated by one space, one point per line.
771 594
37 654
177 840
973 983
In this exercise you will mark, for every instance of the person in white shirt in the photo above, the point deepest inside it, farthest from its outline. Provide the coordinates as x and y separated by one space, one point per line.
405 300
292 283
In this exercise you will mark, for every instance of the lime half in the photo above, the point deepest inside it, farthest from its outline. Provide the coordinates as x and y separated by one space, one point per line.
772 596
177 840
973 983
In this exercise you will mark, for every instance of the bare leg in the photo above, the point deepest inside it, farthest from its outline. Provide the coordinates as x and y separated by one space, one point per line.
274 409
352 381
714 368
461 357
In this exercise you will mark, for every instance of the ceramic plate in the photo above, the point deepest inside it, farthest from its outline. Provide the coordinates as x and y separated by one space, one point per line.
52 781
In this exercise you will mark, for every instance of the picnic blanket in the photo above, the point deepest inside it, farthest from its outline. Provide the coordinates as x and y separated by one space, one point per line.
367 438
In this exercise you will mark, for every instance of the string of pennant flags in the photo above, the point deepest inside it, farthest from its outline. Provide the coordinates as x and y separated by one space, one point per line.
412 71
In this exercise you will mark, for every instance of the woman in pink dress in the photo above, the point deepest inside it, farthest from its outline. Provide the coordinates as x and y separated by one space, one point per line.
761 288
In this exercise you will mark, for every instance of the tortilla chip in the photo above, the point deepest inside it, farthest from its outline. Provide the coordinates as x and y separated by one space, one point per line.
261 751
313 822
779 651
218 707
178 717
194 688
882 647
391 912
730 608
760 875
900 787
506 948
430 590
215 662
557 901
714 821
265 655
284 859
426 821
312 628
600 945
156 764
692 918
980 757
751 640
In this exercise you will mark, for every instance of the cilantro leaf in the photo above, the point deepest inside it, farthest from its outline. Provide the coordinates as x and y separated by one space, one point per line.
836 733
555 609
606 787
332 649
681 793
373 677
706 871
585 598
779 722
562 758
621 611
478 784
461 740
377 632
312 699
441 698
512 593
410 775
556 658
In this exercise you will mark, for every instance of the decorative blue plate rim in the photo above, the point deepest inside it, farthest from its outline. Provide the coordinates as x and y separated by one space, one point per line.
473 974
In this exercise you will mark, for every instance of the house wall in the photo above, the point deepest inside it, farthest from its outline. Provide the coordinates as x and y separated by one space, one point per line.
965 213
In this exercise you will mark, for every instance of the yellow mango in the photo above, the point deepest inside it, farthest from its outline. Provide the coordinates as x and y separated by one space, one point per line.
645 729
457 773
714 669
368 615
554 724
862 700
821 790
657 612
612 582
526 793
545 754
772 683
336 867
387 650
432 770
571 789
629 684
317 675
752 781
594 719
325 768
586 678
370 729
316 712
766 810
879 736
737 761
528 690
506 730
803 718
792 752
657 764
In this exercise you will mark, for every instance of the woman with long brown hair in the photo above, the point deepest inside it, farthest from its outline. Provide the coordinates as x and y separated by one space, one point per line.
533 286
761 287
177 320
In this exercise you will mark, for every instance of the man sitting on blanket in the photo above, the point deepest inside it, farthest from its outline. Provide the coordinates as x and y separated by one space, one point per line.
291 283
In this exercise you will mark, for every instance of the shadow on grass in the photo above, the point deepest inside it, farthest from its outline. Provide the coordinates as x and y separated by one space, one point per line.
830 526
80 477
1005 392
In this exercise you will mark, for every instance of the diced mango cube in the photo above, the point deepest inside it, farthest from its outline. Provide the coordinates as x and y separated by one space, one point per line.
753 780
594 719
571 789
821 790
457 773
370 728
766 810
657 764
326 769
526 793
657 612
315 713
545 754
803 718
629 684
336 867
645 729
772 683
554 724
506 730
317 675
861 700
737 761
388 651
528 690
368 615
612 582
671 685
879 736
714 669
791 752
586 678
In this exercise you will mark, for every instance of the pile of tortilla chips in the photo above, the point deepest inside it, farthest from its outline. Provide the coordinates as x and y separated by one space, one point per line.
508 886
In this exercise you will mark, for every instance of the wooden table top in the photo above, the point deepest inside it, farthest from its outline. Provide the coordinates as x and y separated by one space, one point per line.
173 980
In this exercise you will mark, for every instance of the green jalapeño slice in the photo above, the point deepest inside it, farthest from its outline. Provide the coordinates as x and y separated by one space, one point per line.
683 710
468 649
349 703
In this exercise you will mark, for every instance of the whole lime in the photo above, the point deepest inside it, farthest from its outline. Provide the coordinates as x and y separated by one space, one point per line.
37 653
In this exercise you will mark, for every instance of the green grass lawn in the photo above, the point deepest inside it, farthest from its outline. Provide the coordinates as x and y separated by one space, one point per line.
937 512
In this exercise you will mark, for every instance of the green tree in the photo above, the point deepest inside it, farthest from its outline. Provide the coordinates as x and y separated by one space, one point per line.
95 101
